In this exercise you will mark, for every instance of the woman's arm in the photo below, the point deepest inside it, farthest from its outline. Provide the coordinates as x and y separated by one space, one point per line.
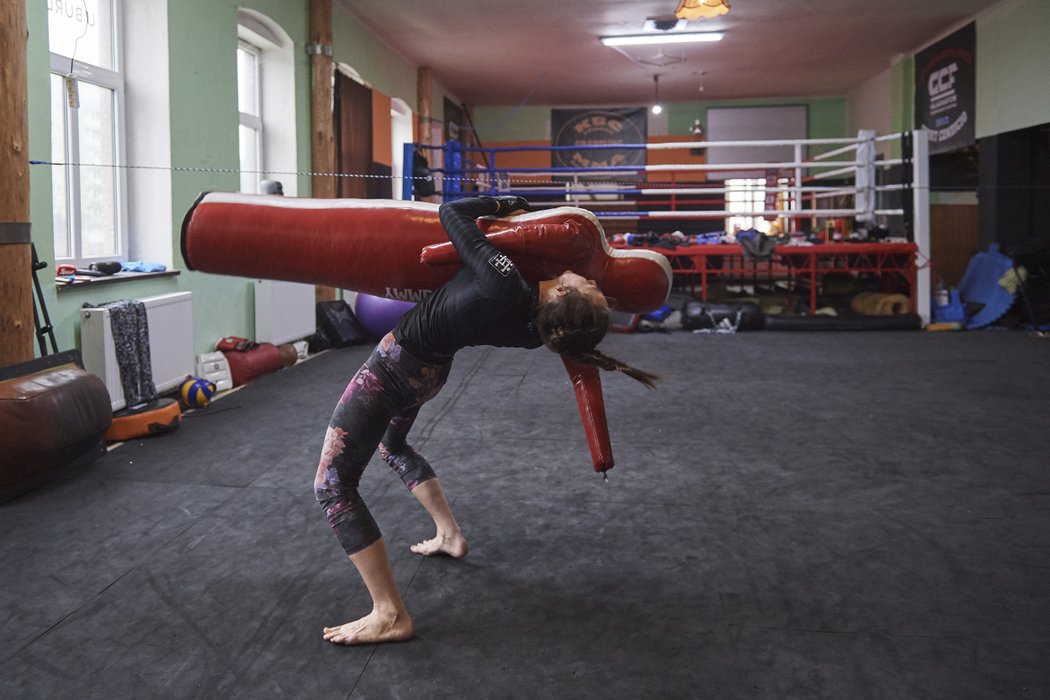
489 265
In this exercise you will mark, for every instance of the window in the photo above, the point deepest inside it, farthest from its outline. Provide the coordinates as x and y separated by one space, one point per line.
249 102
265 103
87 116
746 195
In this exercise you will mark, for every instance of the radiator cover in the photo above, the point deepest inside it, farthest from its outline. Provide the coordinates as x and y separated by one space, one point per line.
171 344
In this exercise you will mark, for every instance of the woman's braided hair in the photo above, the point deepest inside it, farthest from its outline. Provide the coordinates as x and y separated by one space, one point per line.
572 326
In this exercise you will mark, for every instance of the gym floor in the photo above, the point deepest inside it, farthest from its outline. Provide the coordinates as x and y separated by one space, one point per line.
792 515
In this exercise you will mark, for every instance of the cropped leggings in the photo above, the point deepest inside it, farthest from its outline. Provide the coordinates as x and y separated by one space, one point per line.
376 410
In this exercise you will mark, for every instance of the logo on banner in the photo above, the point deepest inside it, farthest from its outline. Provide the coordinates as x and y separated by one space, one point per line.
576 133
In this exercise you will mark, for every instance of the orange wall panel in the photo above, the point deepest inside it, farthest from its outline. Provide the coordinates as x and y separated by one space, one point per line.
542 159
676 156
522 159
381 136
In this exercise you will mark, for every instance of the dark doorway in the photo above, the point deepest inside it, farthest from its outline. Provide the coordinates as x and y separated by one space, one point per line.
353 135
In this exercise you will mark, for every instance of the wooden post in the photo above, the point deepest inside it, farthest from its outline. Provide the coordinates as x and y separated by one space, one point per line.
16 290
322 71
423 86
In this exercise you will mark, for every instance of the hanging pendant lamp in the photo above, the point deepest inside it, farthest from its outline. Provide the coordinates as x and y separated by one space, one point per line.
701 9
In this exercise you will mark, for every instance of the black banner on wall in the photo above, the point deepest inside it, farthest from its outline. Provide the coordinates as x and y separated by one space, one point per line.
599 127
945 92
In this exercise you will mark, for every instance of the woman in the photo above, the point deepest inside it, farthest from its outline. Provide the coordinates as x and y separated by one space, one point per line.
486 303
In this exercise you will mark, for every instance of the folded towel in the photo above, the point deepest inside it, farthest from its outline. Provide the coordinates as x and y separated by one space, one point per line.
139 266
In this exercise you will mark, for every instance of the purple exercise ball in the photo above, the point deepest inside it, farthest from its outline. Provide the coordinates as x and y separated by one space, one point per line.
378 315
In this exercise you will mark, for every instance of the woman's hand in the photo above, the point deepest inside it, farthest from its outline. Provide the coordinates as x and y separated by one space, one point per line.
507 205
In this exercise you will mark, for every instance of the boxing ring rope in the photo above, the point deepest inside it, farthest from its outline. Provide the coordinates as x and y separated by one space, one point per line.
805 187
798 174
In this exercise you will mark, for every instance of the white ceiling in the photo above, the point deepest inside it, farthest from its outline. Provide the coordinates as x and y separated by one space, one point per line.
547 52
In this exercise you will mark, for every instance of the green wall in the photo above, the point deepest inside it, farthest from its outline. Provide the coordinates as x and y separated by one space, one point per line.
384 70
902 85
39 104
518 123
202 34
1013 65
827 118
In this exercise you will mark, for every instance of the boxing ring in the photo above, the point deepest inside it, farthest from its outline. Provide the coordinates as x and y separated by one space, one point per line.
828 186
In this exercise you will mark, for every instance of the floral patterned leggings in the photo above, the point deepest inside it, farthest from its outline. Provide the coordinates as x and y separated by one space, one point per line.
376 410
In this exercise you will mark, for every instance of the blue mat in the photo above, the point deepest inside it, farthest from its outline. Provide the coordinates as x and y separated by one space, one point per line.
980 285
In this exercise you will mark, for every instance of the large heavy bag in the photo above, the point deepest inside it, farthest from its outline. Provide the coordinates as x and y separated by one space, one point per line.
52 414
399 250
742 316
248 365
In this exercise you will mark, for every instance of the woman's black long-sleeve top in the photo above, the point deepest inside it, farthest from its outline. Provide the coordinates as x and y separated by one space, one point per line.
487 302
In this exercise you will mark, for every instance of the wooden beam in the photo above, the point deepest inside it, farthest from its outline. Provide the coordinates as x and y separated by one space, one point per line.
322 122
423 90
321 118
16 291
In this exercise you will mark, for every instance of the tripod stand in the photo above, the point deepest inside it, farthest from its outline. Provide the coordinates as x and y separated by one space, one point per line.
46 330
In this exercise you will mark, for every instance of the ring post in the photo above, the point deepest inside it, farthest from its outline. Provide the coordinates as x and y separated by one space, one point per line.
408 171
864 179
921 218
453 170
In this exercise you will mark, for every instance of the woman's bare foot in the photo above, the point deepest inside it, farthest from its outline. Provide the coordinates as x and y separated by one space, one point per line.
371 629
453 545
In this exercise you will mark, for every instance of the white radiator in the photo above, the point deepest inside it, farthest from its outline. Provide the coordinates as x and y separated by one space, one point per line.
284 311
170 318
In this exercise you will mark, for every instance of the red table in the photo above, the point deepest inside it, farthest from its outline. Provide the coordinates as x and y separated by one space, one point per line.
796 264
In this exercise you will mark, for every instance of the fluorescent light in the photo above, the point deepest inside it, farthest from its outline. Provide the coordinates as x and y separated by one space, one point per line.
668 38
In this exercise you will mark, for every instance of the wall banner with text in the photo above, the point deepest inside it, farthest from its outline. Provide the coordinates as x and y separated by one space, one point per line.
945 78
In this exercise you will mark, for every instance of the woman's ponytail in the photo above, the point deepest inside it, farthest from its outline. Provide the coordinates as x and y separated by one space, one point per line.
573 326
597 358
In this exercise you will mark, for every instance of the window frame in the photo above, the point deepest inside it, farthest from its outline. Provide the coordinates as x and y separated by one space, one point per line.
740 196
276 80
114 81
746 194
253 121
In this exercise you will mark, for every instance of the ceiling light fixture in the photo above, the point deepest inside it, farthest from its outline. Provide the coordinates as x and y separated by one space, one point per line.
664 24
701 9
657 107
669 38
